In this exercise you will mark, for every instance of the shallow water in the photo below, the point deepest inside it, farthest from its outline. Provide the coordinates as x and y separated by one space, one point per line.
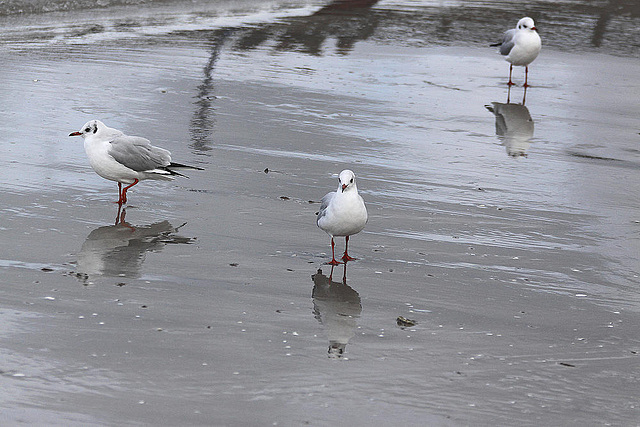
512 243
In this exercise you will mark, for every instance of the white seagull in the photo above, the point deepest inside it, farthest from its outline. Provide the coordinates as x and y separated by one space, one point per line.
342 213
521 45
125 159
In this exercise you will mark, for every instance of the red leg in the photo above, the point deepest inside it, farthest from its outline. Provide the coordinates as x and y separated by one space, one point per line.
346 256
333 254
510 71
119 194
509 95
526 76
344 274
123 196
118 218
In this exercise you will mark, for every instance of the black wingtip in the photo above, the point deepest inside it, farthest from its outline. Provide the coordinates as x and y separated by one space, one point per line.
172 172
180 165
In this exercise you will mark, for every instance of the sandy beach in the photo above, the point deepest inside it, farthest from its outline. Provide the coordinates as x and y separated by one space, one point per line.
509 233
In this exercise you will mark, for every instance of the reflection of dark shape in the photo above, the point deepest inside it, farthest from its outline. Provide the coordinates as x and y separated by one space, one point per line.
119 250
514 126
347 20
202 124
341 6
337 306
613 8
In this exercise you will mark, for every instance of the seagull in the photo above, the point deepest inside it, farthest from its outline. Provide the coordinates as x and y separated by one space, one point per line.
342 213
125 159
521 45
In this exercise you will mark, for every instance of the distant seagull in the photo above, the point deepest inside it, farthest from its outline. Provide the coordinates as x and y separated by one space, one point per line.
521 45
342 213
125 159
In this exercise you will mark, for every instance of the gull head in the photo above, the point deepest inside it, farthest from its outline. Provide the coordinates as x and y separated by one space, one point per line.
347 180
92 127
526 24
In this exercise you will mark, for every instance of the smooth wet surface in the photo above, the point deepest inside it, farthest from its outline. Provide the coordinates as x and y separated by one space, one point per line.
510 234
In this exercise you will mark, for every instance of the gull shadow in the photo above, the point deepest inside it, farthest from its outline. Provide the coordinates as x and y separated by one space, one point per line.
514 127
119 250
336 306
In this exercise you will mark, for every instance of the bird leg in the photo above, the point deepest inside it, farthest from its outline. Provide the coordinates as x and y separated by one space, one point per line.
344 274
510 71
119 218
346 256
333 254
526 75
119 202
123 195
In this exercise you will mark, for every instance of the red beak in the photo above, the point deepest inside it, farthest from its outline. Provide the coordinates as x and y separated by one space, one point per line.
534 29
343 187
75 134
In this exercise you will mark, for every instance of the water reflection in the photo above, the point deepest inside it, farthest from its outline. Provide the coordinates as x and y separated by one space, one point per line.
514 127
203 122
602 23
336 306
119 250
349 21
612 9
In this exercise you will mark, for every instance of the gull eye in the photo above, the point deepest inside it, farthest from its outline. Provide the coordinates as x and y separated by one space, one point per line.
351 181
87 130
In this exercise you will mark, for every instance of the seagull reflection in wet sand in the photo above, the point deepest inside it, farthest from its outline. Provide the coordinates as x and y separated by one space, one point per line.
119 250
514 126
336 306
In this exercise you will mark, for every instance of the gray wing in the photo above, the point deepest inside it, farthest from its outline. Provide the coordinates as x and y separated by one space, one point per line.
507 41
138 154
325 204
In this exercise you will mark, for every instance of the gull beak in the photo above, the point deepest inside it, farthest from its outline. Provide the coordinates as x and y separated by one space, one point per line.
75 134
534 29
344 186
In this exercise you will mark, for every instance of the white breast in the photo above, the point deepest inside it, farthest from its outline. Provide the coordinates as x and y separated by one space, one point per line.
526 49
346 215
105 165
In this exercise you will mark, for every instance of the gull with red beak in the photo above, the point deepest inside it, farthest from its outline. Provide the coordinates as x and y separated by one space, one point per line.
342 213
521 45
125 159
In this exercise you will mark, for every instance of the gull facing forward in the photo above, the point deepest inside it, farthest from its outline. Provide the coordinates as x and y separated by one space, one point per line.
125 159
342 213
521 45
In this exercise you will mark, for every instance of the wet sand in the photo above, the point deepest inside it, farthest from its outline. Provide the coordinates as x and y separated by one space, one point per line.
513 246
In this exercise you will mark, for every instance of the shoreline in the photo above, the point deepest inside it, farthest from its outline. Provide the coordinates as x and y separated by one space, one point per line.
519 273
